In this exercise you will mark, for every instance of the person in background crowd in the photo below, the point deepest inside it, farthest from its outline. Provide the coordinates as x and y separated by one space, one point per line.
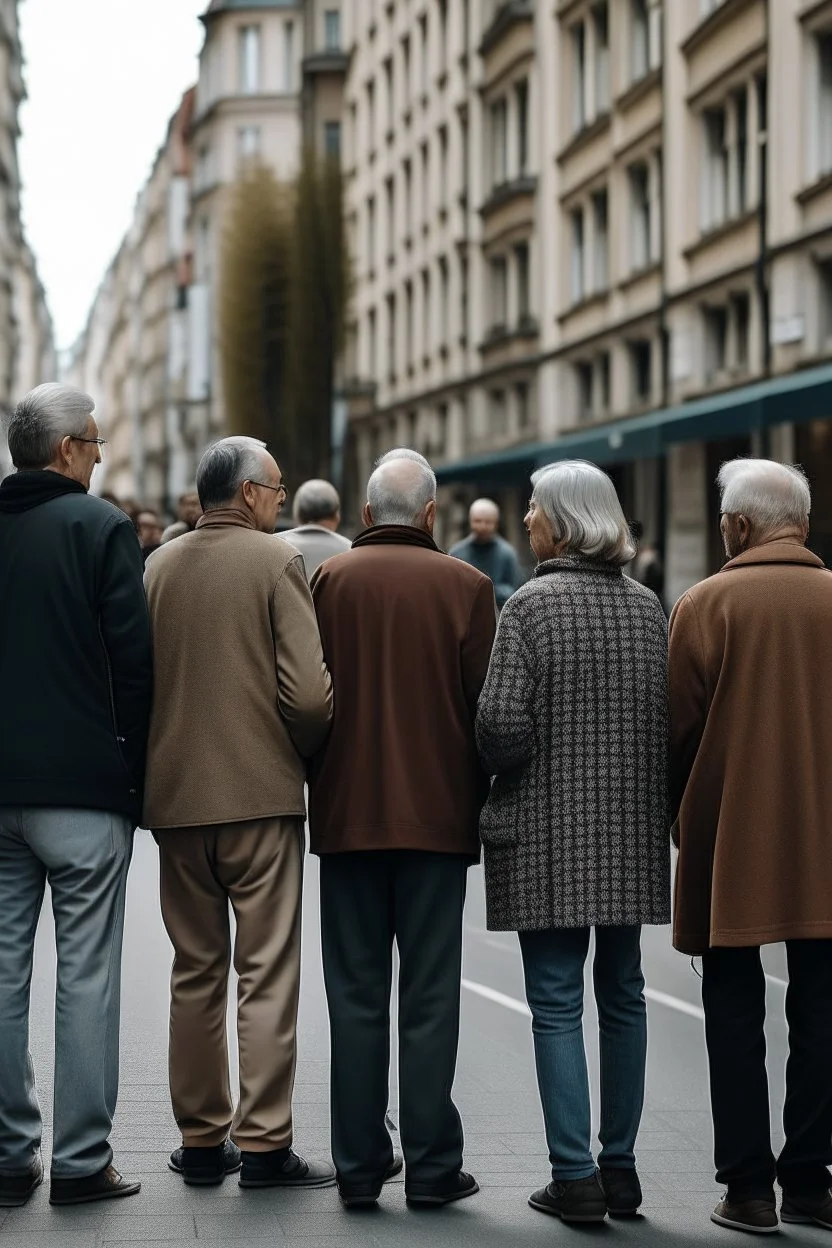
572 722
188 512
486 551
394 801
230 728
751 731
647 567
149 529
75 670
317 510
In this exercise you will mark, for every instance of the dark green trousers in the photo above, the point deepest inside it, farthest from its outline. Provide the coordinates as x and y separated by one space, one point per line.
368 900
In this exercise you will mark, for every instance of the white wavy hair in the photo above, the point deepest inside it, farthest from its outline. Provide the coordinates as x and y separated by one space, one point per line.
580 503
772 496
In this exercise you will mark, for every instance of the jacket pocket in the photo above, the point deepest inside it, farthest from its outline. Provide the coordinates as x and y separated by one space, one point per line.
500 815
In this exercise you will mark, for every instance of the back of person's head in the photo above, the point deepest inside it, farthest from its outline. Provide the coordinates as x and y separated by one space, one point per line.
402 452
42 419
581 505
401 490
316 500
224 467
771 496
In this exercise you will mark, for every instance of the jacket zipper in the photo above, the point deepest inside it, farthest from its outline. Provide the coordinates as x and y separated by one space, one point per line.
119 739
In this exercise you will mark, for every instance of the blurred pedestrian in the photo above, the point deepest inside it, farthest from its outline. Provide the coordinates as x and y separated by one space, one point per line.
188 512
149 529
232 723
394 801
751 723
486 551
647 567
317 511
572 722
76 679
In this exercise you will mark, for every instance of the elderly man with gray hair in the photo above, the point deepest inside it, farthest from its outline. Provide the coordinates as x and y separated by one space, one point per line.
751 727
394 801
317 510
75 670
241 698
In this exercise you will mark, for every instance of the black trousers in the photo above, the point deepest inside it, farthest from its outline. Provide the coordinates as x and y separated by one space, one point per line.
368 900
734 998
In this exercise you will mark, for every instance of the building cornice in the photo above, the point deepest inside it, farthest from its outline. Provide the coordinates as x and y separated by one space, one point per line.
511 13
713 23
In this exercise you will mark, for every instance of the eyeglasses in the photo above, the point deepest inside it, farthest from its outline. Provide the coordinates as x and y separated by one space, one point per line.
277 489
91 441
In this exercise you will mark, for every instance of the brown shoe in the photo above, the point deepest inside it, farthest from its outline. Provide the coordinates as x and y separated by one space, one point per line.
15 1189
808 1209
758 1217
107 1184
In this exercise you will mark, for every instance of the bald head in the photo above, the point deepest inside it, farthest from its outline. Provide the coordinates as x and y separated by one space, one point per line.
484 519
762 501
402 491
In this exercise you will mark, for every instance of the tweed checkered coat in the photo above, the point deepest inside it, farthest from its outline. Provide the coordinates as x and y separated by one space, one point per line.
573 724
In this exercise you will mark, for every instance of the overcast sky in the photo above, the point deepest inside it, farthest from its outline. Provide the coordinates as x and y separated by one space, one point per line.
103 78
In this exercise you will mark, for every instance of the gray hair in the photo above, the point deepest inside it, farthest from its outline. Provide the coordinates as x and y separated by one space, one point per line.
402 452
771 495
42 419
225 466
396 497
580 503
316 500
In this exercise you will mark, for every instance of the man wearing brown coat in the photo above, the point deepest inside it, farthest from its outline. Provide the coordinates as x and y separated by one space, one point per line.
751 723
394 804
241 697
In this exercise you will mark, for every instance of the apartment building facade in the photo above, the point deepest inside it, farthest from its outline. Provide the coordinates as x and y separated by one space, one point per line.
597 228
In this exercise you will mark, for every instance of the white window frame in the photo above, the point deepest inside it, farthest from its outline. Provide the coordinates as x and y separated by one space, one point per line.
249 59
639 40
289 57
332 30
499 142
600 240
249 139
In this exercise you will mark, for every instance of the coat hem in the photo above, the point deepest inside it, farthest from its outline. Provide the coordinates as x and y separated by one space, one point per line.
214 821
743 938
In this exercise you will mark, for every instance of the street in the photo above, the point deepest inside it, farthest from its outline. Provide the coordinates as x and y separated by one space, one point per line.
495 1090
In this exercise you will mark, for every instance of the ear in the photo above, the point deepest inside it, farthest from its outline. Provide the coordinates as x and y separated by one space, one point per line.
248 494
367 517
744 531
65 450
430 515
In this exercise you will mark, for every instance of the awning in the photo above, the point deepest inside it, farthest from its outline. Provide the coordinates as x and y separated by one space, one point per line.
795 397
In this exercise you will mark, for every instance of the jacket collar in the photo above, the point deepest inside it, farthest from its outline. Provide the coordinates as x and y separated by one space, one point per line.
775 552
395 535
576 563
24 490
223 517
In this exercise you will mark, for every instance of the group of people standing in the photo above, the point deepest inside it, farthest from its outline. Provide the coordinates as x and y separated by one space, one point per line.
200 699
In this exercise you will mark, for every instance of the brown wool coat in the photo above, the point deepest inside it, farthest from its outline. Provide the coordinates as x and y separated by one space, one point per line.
407 634
751 730
241 692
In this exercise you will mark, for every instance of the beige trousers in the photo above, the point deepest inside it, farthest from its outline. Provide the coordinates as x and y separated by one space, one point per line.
257 868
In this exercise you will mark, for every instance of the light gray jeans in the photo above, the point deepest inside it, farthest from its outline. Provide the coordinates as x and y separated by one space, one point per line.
85 856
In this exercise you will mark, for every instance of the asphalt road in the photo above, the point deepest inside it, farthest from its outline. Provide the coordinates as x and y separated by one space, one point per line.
495 1089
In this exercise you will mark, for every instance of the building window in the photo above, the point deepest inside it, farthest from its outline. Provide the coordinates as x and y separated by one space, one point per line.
592 383
601 241
248 141
521 94
639 39
741 318
288 56
427 313
443 163
408 325
388 91
424 65
641 364
603 384
443 35
601 29
391 336
332 138
444 308
390 213
641 224
583 381
249 59
406 84
579 83
577 266
371 234
824 112
425 176
715 169
332 30
499 293
497 415
716 341
521 258
371 115
739 182
407 176
522 406
372 345
499 143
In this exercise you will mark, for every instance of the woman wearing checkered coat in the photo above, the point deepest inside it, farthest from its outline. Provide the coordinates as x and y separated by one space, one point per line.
572 723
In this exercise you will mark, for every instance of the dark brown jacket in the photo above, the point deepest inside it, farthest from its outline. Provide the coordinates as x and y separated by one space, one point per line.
407 633
751 727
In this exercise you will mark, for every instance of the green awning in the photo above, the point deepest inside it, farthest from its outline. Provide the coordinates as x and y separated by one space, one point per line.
796 397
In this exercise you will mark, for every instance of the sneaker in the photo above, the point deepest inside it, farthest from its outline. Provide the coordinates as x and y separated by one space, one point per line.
204 1167
758 1217
442 1193
355 1194
15 1189
622 1191
281 1167
576 1200
106 1184
808 1209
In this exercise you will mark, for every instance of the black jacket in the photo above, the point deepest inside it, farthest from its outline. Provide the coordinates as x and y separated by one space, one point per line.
75 652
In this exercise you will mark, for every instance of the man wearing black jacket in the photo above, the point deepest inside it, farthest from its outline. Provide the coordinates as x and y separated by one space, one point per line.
75 675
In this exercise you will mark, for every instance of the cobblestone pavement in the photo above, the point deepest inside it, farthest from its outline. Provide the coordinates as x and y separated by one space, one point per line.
495 1089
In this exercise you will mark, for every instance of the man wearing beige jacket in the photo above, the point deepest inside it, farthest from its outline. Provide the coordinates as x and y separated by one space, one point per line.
241 697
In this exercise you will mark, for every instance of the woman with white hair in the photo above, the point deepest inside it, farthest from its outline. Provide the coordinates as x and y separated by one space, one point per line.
572 723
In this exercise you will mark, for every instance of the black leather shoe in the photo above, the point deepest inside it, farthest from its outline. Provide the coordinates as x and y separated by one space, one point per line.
106 1185
355 1194
622 1190
15 1189
283 1168
205 1167
577 1200
455 1188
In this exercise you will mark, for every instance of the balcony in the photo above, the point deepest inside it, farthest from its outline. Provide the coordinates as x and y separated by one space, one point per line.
522 187
327 61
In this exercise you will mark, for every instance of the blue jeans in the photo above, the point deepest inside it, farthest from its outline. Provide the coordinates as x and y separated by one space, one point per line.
553 963
85 856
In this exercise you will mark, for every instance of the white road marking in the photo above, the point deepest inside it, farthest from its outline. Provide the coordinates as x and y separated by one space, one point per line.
520 1007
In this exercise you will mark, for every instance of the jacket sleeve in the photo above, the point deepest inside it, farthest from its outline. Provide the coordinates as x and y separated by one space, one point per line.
505 719
688 696
479 639
304 686
124 622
